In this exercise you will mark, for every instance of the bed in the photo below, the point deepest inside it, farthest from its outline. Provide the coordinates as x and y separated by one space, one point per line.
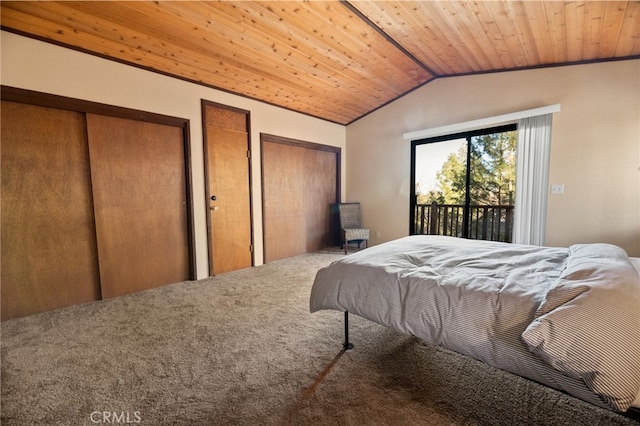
568 318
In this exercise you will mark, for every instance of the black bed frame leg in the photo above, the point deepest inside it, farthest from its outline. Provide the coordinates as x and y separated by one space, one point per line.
346 345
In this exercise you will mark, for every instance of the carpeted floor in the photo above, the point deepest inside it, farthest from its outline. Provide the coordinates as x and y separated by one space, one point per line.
242 349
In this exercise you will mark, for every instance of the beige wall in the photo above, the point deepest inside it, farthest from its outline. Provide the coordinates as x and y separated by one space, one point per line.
34 65
595 148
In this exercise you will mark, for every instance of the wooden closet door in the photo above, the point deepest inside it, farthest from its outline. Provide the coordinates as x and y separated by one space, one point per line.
283 201
299 184
228 188
139 188
230 212
320 192
48 248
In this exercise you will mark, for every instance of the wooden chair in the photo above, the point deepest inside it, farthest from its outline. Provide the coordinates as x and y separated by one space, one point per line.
351 229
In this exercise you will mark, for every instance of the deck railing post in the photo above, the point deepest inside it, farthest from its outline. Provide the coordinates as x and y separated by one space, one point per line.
485 221
433 228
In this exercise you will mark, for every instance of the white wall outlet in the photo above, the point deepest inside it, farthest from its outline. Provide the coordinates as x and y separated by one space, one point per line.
557 188
377 234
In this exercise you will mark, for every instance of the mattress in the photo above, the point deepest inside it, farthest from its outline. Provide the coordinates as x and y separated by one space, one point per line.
539 312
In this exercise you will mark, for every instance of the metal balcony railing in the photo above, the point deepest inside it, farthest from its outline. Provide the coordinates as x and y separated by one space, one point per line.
485 222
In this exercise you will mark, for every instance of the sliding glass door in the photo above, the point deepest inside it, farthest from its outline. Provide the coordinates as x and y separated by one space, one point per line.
464 184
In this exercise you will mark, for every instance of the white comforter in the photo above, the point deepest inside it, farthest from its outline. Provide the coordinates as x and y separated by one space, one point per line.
525 309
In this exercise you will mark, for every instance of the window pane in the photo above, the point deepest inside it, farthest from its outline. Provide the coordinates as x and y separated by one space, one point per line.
464 186
440 189
440 171
491 186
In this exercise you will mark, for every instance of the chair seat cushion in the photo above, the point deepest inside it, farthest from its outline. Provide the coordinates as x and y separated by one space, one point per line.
351 234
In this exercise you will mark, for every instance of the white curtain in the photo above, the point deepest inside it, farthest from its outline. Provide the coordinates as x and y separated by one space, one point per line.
532 179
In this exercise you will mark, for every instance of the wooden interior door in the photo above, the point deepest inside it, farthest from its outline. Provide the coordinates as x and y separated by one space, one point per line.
300 182
48 244
320 180
138 175
285 230
228 189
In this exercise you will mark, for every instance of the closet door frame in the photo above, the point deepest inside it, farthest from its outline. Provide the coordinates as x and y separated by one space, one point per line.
13 94
269 138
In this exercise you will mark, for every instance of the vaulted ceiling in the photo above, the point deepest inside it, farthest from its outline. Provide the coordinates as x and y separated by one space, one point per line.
336 60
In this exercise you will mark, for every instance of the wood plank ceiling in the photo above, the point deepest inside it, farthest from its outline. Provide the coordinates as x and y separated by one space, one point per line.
329 59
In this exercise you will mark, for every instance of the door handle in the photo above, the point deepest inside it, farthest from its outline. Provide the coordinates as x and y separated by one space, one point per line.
214 208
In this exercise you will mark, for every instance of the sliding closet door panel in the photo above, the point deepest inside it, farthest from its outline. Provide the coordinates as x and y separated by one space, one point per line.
139 187
320 193
300 182
48 248
230 212
285 232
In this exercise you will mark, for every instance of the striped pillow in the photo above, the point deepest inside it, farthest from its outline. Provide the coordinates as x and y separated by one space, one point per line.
588 326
